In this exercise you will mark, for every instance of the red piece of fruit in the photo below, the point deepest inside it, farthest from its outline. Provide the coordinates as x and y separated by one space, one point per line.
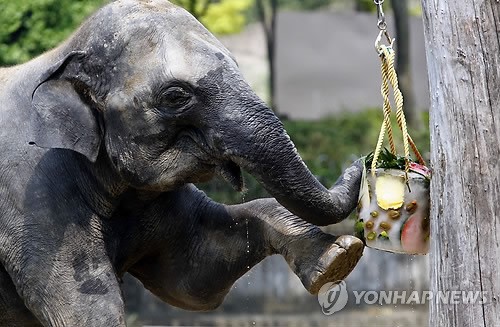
415 238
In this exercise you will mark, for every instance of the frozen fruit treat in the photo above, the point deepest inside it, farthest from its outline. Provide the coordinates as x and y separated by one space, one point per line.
393 209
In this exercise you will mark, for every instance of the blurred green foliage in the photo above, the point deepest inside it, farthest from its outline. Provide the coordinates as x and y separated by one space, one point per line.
365 5
227 16
221 16
304 4
369 5
230 16
327 146
28 28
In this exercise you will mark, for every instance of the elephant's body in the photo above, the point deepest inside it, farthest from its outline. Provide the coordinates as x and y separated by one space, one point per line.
100 139
160 235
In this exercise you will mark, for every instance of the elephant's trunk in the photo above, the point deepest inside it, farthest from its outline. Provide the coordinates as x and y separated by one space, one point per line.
259 144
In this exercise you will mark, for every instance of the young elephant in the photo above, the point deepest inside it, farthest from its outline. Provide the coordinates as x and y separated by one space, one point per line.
139 102
188 250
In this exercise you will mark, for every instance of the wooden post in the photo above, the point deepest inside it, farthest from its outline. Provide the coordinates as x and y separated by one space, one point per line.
463 56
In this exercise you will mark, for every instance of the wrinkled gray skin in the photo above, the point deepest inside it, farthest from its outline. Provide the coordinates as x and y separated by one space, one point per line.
100 139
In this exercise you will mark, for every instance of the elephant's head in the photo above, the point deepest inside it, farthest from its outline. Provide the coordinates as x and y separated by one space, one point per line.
145 85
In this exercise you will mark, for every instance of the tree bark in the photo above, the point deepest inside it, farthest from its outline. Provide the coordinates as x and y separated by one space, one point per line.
463 46
403 56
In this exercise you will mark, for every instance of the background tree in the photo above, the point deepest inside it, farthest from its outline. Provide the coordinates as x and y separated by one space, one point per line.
464 76
267 11
28 28
403 59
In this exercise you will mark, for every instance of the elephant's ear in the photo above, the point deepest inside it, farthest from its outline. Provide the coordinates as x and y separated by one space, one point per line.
63 118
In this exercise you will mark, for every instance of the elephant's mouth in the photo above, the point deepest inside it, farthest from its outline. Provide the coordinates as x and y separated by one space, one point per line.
227 169
231 172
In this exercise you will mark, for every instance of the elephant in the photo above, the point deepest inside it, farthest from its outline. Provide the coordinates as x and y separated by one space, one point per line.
102 139
224 242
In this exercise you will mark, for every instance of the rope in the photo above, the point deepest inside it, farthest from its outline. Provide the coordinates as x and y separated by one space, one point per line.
390 78
420 159
387 106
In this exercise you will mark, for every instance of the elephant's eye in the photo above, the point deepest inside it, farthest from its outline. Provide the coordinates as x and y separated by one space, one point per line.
175 97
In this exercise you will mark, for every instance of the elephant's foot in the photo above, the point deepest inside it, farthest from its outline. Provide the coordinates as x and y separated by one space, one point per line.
329 263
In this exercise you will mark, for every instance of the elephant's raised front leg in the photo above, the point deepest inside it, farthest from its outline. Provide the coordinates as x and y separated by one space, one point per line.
209 246
314 256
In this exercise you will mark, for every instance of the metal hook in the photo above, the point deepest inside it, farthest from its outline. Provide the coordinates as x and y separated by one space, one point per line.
381 23
378 40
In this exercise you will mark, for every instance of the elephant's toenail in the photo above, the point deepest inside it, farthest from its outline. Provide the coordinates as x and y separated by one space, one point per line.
348 241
